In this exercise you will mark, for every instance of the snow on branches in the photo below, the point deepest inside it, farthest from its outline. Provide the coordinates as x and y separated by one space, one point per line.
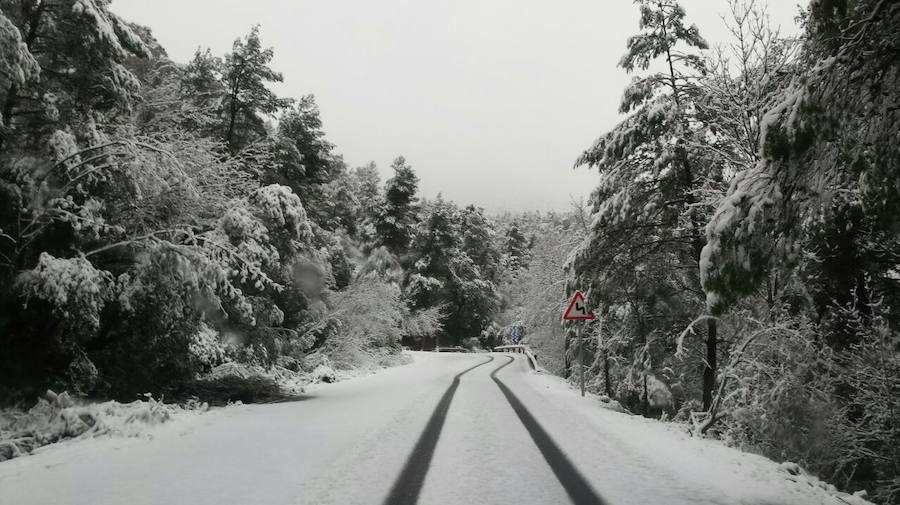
74 289
17 65
284 216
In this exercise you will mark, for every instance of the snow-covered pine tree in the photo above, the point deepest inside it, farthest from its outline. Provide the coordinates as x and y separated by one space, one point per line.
247 99
397 218
641 256
826 180
817 210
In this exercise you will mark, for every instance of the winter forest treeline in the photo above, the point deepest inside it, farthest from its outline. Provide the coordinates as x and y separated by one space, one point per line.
743 241
159 219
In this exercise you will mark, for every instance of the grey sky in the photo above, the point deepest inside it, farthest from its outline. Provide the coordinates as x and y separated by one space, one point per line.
491 101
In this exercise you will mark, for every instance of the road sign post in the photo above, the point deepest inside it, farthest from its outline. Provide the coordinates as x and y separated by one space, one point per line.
577 311
580 330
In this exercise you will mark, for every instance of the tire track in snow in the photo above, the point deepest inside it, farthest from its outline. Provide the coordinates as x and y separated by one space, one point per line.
408 485
578 489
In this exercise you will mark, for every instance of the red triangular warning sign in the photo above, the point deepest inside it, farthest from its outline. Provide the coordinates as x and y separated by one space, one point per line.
577 309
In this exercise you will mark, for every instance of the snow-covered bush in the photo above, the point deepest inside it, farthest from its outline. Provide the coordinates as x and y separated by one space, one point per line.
284 216
75 290
323 373
57 417
833 412
420 324
206 348
153 330
369 317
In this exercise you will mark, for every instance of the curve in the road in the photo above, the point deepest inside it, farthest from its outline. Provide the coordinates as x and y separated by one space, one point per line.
408 485
571 479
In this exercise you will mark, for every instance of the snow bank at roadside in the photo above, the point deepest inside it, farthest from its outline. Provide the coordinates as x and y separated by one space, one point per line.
58 417
326 371
701 461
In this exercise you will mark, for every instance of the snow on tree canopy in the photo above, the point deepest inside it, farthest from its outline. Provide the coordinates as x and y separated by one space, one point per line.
245 231
282 211
16 62
827 143
108 28
75 289
737 253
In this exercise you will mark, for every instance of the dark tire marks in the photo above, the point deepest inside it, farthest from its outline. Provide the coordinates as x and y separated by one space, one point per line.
571 479
408 485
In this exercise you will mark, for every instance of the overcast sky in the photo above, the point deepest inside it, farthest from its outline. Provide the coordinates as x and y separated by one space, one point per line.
491 101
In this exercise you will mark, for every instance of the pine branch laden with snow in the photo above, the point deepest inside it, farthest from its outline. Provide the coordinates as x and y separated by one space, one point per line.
828 141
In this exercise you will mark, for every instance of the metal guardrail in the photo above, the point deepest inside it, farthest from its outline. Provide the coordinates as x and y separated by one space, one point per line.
521 349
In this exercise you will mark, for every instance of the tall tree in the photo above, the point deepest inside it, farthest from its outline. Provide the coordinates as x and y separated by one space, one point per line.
444 275
304 159
645 243
367 186
480 242
200 85
245 76
516 248
396 221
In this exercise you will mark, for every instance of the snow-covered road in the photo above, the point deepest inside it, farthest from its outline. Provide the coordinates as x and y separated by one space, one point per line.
411 434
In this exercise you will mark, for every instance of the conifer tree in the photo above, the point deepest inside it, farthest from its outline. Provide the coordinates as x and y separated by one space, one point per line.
646 238
516 248
396 221
305 160
245 76
58 62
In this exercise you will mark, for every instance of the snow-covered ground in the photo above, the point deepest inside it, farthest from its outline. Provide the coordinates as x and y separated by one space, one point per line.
346 443
631 459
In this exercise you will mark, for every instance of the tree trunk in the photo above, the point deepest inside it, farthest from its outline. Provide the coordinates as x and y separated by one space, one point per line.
645 401
606 385
229 136
7 112
709 370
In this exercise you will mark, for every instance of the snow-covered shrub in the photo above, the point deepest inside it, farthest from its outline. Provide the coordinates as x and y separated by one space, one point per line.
55 312
81 374
381 264
323 373
369 316
779 404
75 290
57 417
833 412
206 348
422 324
341 267
231 382
153 328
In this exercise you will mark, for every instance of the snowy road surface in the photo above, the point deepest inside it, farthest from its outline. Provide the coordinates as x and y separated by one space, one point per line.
445 429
